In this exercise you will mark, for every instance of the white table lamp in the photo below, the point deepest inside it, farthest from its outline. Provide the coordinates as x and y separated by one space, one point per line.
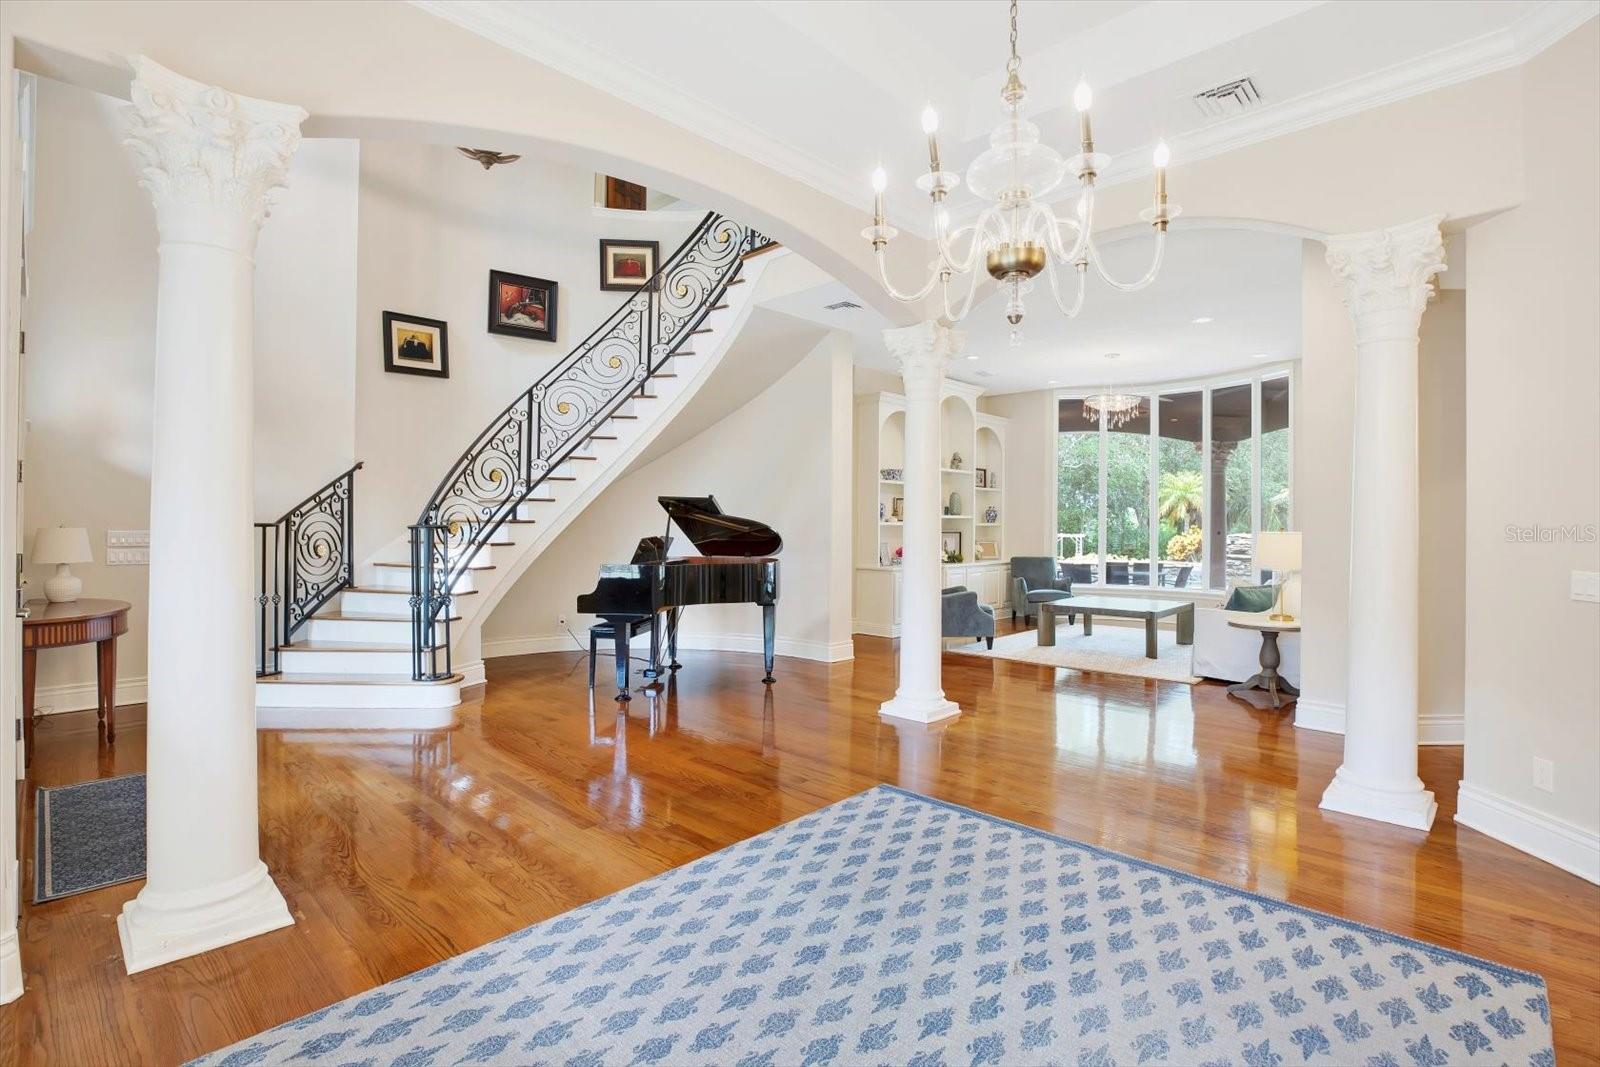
62 545
1279 552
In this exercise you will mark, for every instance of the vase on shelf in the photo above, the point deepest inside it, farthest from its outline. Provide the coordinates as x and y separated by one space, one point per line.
955 504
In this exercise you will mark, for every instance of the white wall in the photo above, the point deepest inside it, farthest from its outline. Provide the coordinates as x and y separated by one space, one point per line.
783 459
90 363
1030 470
1442 570
1533 458
433 224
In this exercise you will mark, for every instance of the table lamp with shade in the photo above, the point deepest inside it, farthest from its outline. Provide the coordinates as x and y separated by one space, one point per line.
1278 551
62 545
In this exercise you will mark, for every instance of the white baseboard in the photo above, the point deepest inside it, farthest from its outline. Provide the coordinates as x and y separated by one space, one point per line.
1319 715
10 967
821 651
874 629
1441 730
85 695
471 673
1554 840
1328 718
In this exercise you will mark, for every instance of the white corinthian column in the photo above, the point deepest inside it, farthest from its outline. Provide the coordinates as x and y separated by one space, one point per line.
923 352
209 159
1387 280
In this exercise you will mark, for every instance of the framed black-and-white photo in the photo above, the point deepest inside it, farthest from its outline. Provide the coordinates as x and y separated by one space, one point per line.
950 542
520 306
627 265
415 345
980 477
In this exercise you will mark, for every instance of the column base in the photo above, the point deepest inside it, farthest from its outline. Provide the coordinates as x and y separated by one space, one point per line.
159 928
918 708
1412 807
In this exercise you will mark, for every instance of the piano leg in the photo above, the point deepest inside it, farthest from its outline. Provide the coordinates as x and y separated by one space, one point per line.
768 629
653 671
623 630
672 639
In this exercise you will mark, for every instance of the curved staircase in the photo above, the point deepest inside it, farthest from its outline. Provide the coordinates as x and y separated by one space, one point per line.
390 642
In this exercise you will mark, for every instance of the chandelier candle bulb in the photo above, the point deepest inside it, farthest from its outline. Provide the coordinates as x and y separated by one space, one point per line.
880 182
1082 98
930 126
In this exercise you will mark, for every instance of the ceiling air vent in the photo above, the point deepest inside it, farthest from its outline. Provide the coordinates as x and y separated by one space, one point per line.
842 305
1229 98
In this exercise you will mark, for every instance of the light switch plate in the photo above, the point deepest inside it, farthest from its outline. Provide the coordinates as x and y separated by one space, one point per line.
1586 586
127 538
127 557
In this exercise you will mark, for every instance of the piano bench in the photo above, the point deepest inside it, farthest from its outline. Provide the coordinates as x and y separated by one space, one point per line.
605 631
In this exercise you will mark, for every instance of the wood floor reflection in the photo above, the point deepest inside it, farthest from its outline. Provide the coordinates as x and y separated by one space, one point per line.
395 851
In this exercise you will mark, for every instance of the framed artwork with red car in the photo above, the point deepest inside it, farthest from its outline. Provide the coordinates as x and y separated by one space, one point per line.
520 306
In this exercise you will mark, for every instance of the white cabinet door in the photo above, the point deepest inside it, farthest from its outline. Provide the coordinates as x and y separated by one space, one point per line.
993 590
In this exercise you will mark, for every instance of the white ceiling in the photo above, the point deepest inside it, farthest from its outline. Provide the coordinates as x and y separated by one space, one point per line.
1246 281
825 90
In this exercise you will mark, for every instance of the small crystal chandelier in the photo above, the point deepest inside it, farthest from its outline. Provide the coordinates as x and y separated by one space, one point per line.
1120 408
1016 237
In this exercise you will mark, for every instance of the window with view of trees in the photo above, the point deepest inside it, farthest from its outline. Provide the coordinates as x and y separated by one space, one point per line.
1174 496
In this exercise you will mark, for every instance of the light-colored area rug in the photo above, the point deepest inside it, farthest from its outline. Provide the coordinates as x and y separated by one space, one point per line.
895 929
1109 650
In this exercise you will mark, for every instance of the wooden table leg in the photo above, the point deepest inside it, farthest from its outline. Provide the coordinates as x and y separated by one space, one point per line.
1186 625
1150 651
106 657
1047 625
30 674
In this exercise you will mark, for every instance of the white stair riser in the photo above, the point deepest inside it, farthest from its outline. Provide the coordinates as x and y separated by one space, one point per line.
402 694
355 718
399 580
389 604
359 630
292 661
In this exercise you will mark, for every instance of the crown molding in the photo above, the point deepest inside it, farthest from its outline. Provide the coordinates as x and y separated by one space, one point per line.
501 23
1545 23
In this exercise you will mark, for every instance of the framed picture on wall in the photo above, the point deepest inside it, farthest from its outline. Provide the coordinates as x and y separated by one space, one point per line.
987 550
627 265
950 543
520 306
415 345
980 477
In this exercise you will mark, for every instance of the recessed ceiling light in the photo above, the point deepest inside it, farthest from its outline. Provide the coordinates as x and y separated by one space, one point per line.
1052 381
1202 320
973 358
1262 355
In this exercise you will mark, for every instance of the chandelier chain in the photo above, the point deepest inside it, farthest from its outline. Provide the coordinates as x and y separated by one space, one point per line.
1014 62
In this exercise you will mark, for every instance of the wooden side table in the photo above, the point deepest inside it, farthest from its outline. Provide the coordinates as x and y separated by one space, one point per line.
81 622
1275 685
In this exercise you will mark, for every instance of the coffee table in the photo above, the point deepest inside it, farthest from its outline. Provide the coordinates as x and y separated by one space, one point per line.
1276 686
1119 607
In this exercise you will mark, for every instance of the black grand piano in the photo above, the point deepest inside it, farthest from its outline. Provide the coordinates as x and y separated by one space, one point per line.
737 566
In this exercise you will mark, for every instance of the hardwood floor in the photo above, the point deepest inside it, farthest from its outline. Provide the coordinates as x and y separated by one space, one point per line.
395 851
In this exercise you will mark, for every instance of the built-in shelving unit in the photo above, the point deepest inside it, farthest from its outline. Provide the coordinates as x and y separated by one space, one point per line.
968 440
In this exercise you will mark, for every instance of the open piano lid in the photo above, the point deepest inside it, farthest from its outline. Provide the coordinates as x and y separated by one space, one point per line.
716 534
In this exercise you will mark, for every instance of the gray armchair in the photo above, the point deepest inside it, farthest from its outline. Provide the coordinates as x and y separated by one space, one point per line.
1036 580
960 615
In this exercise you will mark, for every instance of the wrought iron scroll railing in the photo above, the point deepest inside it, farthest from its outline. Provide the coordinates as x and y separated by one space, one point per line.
305 557
555 417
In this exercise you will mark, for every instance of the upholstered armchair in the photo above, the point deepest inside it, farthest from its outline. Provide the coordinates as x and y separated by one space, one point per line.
960 615
1036 580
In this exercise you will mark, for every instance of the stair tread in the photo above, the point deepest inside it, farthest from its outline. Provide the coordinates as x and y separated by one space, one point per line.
345 646
407 566
350 679
393 592
340 616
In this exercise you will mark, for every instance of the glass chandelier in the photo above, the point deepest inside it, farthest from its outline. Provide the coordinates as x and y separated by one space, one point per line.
1120 408
1016 237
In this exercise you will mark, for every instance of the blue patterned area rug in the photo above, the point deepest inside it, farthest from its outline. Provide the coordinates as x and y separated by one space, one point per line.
895 929
87 836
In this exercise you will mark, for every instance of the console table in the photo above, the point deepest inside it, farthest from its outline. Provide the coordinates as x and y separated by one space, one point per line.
82 622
